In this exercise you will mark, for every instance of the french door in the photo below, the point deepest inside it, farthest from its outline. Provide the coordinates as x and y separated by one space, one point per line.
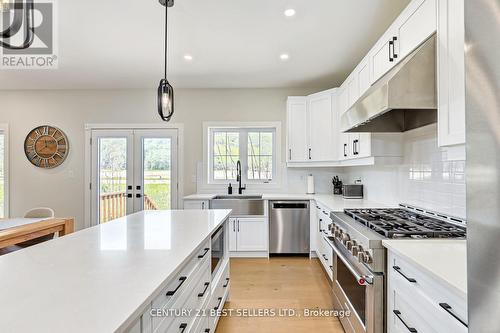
132 170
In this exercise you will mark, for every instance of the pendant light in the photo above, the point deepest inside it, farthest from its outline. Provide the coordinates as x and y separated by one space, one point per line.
165 90
19 9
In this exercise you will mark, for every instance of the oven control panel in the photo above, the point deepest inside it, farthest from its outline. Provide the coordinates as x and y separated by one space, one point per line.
357 250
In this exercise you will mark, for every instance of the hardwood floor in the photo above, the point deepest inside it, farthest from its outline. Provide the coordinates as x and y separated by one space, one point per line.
278 283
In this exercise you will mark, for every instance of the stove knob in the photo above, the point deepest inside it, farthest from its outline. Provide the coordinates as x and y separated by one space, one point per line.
367 258
361 256
350 244
345 238
355 251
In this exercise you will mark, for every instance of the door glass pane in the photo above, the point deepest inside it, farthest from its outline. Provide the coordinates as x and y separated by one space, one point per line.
2 176
112 178
157 173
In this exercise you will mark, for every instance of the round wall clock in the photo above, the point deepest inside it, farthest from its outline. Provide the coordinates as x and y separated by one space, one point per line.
46 147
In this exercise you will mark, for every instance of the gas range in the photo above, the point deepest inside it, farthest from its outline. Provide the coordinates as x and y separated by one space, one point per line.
361 231
359 258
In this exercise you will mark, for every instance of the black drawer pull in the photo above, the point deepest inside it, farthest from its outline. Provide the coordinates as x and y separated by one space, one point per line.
182 279
324 257
204 290
227 283
218 304
449 309
204 253
183 327
331 267
409 279
207 330
398 314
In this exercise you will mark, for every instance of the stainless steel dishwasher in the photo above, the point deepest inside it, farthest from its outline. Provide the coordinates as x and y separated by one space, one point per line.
289 227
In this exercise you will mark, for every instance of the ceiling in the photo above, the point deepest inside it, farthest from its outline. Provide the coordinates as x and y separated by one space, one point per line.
118 44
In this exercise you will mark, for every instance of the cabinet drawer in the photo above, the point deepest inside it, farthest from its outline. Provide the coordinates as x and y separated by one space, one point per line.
189 301
409 311
176 290
413 281
218 298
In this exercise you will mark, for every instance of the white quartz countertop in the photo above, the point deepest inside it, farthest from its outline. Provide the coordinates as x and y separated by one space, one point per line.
446 260
99 279
333 202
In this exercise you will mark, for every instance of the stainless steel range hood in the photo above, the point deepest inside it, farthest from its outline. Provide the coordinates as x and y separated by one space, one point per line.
405 98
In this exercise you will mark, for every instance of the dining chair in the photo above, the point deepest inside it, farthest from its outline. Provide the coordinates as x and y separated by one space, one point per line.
38 213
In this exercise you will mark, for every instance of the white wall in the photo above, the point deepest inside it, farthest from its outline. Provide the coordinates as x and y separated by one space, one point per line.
426 179
63 188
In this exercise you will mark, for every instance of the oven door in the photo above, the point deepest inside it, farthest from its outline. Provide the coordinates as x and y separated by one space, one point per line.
217 249
360 291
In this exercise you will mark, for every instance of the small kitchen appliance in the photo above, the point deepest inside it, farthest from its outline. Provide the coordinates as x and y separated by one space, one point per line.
352 191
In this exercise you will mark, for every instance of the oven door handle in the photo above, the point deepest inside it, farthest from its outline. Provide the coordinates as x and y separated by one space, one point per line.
362 279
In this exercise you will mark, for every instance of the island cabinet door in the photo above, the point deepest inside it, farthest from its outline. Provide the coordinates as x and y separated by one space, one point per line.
233 231
252 234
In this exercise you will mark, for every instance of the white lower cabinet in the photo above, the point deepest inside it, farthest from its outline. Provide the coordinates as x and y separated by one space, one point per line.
196 204
248 234
196 296
418 302
323 250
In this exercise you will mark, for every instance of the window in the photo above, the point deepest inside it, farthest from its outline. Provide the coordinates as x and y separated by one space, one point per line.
3 172
255 148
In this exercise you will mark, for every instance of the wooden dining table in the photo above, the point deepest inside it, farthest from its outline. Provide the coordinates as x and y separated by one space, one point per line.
18 230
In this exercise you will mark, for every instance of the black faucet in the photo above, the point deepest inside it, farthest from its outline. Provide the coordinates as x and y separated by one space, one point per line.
238 178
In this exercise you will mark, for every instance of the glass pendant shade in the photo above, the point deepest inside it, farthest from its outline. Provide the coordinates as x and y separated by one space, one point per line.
165 100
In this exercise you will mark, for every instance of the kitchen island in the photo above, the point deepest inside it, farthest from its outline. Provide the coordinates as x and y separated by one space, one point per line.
113 277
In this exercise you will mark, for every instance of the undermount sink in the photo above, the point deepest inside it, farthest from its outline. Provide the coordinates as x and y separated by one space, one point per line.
238 197
242 205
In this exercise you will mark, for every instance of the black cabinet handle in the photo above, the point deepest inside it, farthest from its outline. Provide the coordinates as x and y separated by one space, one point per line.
218 304
309 153
204 290
409 279
398 314
183 327
324 257
204 253
449 309
129 195
227 283
394 39
207 330
391 44
234 226
345 147
355 146
138 195
182 279
290 154
321 220
331 267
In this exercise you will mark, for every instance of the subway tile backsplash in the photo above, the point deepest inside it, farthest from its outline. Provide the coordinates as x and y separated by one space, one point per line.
426 179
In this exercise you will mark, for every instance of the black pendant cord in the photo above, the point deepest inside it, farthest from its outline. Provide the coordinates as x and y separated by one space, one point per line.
166 37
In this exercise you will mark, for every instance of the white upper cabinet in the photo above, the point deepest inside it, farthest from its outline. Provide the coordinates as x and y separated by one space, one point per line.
363 75
311 128
297 129
321 125
451 73
417 22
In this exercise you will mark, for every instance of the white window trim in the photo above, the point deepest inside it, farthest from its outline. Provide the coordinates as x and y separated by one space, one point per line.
4 128
207 184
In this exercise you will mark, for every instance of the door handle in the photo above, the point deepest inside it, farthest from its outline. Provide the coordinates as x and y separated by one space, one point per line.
398 314
449 309
394 54
238 225
309 153
204 253
409 279
182 279
204 290
345 147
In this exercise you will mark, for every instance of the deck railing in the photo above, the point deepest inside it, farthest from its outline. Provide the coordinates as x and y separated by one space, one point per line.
114 205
